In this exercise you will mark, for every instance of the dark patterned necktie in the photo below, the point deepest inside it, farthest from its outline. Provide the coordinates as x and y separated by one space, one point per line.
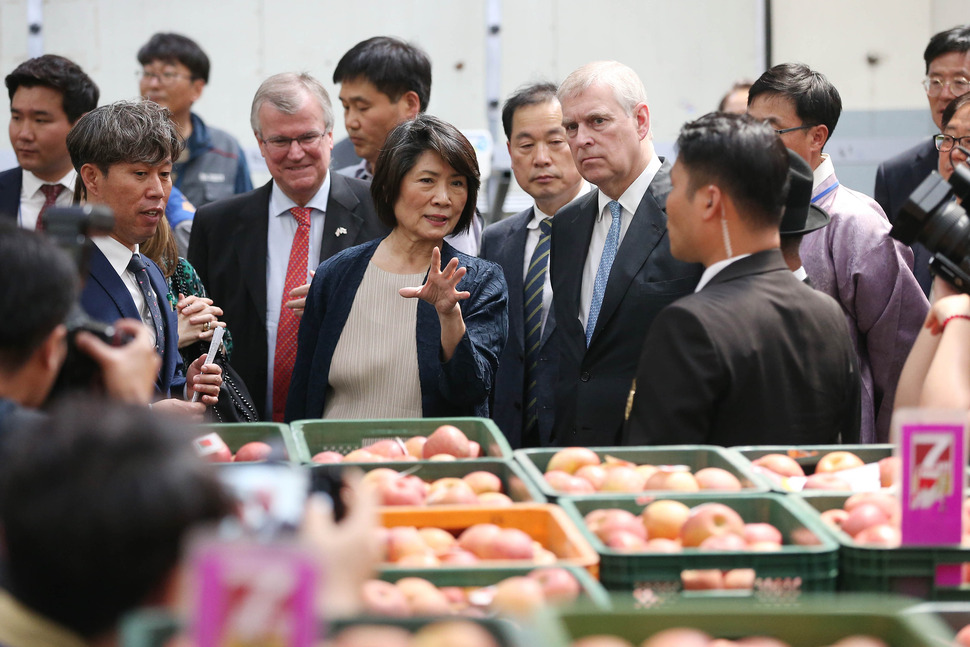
50 191
535 279
137 267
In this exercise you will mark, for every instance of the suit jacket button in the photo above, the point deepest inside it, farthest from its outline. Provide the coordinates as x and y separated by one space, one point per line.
584 377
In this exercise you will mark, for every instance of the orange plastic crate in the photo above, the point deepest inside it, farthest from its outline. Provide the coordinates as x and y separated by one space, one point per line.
544 522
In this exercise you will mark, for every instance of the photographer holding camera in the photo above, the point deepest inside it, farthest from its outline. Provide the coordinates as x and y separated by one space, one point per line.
33 343
123 153
937 371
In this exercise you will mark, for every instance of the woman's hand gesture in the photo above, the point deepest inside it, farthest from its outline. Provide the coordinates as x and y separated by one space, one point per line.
440 290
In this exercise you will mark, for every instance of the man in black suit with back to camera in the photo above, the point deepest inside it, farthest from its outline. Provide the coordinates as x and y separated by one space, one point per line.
255 252
754 356
612 270
947 58
524 397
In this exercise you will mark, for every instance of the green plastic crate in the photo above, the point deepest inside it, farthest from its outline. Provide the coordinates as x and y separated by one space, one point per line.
955 615
515 483
907 570
809 621
868 454
816 566
505 632
591 591
315 436
237 434
695 457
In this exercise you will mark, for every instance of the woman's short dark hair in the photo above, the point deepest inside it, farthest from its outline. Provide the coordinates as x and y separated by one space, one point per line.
400 153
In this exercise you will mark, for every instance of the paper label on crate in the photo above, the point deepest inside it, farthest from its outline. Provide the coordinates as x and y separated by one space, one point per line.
251 593
864 478
932 449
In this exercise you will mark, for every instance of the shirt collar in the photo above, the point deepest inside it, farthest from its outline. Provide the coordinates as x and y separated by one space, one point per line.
714 269
32 183
280 203
538 215
117 254
800 273
24 627
822 172
634 193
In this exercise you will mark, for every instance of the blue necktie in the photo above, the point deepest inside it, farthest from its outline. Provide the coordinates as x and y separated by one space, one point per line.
603 272
137 267
535 279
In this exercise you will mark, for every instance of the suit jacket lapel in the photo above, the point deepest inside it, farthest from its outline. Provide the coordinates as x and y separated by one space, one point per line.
100 271
341 215
248 243
11 184
572 243
647 228
512 255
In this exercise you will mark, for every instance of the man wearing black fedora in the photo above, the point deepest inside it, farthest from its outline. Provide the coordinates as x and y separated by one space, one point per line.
754 356
801 216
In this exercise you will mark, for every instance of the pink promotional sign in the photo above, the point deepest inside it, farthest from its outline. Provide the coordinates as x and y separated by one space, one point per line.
253 594
932 449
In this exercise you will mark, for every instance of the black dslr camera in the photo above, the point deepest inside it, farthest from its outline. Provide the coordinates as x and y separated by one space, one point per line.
71 228
934 218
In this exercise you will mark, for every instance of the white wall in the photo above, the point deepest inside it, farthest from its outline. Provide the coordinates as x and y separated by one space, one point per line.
687 52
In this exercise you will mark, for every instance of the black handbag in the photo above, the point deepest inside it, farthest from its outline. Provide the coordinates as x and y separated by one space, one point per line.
235 404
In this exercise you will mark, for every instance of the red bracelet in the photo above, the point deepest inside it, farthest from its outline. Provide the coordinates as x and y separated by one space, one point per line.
951 317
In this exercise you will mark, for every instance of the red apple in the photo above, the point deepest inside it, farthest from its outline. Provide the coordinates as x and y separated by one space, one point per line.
613 519
837 461
622 479
559 586
963 636
702 580
739 578
715 478
678 637
363 456
709 519
889 471
661 545
404 540
595 474
451 491
402 490
415 446
826 481
474 449
426 559
384 599
440 541
886 501
881 535
327 457
254 451
835 517
571 459
495 499
728 541
625 541
388 448
665 518
453 633
458 557
762 532
864 516
780 464
475 538
509 543
518 596
447 439
481 481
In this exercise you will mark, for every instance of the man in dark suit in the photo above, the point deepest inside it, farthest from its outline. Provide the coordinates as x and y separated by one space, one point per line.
612 271
947 58
754 356
123 155
48 94
255 252
543 166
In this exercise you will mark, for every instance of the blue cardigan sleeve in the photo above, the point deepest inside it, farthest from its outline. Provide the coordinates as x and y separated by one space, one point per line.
467 378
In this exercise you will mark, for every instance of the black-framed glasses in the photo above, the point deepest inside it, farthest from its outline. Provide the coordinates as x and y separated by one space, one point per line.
306 141
165 78
934 87
794 128
946 143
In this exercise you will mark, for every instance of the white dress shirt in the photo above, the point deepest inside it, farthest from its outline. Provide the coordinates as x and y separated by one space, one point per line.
532 240
629 201
118 257
279 240
32 198
715 268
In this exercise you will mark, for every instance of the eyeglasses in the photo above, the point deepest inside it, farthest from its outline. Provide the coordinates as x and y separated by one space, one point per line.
946 143
306 141
934 87
165 78
794 128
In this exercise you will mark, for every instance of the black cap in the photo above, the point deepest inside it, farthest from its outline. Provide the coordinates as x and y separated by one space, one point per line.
801 216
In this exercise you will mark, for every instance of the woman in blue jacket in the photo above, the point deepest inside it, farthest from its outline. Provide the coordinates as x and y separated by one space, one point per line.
372 344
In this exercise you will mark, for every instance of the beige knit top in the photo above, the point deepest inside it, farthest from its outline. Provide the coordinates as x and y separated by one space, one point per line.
374 370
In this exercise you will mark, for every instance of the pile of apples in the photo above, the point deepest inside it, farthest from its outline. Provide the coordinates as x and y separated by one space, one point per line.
475 488
516 596
668 526
684 637
579 470
248 453
873 519
444 633
780 466
429 547
446 443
